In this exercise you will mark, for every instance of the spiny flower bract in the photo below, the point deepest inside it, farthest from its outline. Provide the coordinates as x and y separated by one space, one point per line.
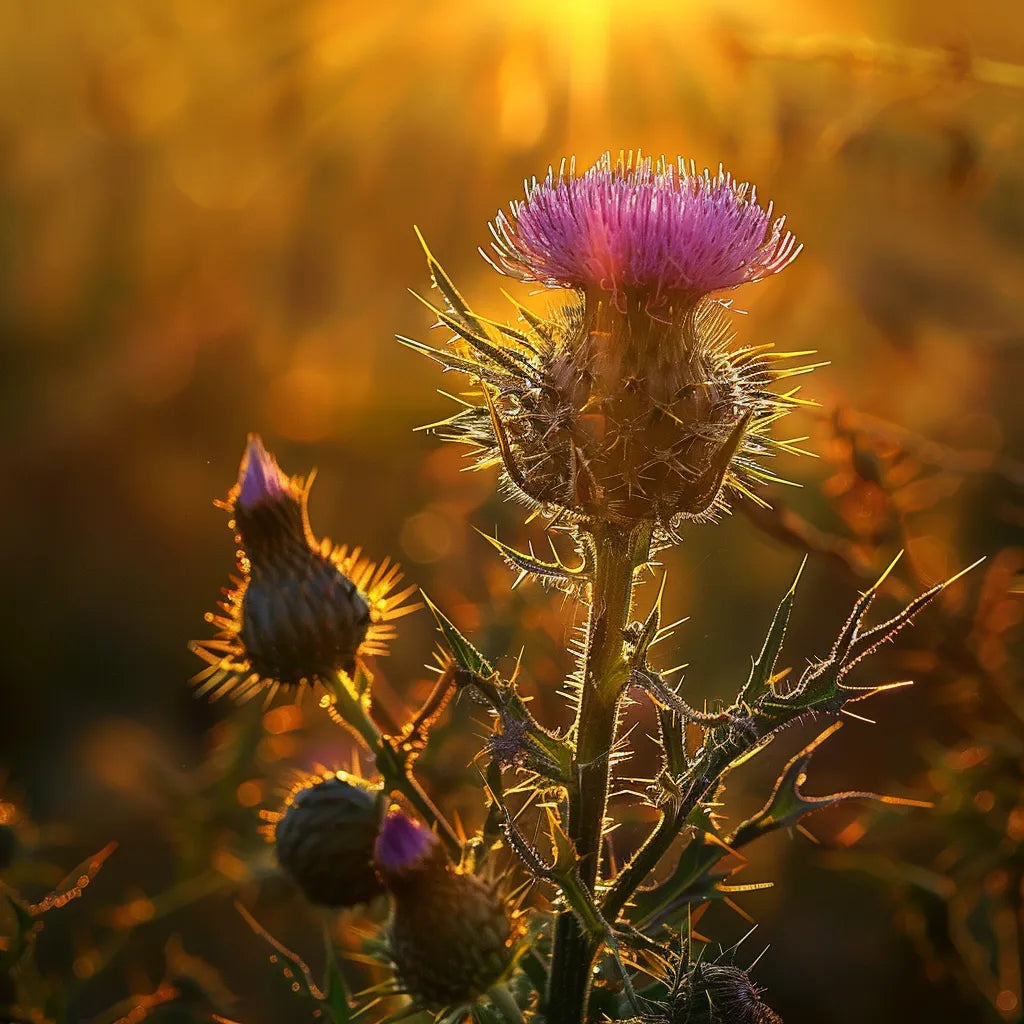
300 608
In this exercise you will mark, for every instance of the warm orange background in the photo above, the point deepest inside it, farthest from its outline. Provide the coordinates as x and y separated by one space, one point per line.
206 215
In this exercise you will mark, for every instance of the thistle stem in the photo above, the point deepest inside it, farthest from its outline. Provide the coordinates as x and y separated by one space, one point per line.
617 555
393 766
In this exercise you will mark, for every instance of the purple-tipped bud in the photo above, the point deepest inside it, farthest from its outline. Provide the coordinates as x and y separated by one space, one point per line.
630 225
451 937
303 609
259 477
301 616
404 846
325 839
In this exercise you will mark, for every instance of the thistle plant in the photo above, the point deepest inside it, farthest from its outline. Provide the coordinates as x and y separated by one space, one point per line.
625 416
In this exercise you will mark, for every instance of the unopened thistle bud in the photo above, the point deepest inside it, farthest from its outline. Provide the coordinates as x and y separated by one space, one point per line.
325 835
302 608
628 403
451 937
720 994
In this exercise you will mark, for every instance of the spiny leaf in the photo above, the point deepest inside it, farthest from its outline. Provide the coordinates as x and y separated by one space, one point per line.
787 804
866 643
673 742
649 629
691 878
530 563
464 652
821 688
664 696
761 672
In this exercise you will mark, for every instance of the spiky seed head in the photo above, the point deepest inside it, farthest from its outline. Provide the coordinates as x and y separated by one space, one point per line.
628 403
302 608
450 937
720 994
325 834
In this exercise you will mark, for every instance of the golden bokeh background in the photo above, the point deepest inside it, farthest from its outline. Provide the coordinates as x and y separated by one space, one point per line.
206 228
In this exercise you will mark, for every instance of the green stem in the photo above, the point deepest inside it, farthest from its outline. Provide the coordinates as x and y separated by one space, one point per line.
502 999
617 555
631 877
390 762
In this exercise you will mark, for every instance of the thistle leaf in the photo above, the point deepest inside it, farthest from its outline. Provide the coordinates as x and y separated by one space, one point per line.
761 672
691 879
335 1000
666 698
531 564
821 687
788 804
649 630
465 654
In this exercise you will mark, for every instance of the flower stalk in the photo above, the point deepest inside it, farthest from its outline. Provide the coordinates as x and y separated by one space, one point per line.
390 760
618 554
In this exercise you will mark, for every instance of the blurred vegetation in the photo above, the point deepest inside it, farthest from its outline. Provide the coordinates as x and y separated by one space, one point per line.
206 229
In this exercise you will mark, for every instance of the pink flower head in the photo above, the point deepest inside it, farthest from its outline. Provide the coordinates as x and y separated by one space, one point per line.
403 844
656 228
259 477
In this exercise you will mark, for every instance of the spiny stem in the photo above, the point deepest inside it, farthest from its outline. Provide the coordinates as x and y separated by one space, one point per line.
618 554
351 711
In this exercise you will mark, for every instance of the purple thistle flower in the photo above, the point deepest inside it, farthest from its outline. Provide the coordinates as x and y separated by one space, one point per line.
260 479
403 844
659 229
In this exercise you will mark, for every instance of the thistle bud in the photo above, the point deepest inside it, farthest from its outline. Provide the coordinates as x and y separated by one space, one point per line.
301 616
325 836
303 609
450 936
720 994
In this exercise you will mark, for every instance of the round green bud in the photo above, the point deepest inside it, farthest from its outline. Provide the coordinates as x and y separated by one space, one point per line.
325 838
